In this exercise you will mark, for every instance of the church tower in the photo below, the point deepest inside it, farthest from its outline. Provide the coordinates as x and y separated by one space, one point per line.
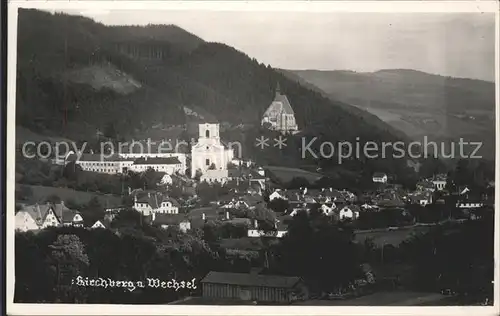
209 153
279 116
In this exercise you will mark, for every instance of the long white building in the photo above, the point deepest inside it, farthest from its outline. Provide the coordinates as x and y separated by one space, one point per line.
122 163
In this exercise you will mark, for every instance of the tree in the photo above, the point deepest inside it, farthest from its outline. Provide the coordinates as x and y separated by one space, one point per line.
279 205
72 171
110 131
69 260
298 182
127 218
316 249
92 211
24 193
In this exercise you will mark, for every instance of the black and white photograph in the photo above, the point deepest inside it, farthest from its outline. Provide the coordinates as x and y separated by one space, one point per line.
269 155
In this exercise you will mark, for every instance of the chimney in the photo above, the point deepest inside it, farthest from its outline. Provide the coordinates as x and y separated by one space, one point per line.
129 190
227 215
153 216
203 216
255 224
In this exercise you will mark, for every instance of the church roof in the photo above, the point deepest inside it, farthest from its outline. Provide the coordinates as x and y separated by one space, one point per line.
280 104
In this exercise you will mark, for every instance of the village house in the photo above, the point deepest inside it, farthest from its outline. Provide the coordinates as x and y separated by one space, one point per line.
426 185
439 184
171 220
25 222
469 199
101 163
328 208
242 163
379 177
155 203
280 230
103 224
40 216
299 206
253 287
349 212
278 194
122 163
279 116
421 198
469 204
255 178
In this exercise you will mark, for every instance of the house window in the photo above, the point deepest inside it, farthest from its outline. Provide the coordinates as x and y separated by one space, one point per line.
207 162
207 133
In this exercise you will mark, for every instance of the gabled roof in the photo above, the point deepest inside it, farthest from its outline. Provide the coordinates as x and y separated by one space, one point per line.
252 200
352 207
105 222
247 279
169 219
155 199
280 104
379 175
40 211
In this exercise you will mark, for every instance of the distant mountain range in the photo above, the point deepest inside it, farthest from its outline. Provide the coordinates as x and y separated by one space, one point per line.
414 102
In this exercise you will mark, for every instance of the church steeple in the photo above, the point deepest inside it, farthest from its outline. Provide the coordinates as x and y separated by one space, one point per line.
278 89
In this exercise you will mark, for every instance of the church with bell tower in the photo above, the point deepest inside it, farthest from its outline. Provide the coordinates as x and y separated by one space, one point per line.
280 116
209 153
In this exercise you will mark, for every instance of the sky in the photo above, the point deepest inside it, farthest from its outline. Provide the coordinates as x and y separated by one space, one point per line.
451 44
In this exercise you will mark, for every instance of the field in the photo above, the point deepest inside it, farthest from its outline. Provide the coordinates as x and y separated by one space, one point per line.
285 174
394 237
399 298
79 197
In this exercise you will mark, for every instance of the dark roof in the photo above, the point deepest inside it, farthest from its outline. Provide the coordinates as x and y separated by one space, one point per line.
169 219
97 157
246 279
240 221
280 104
157 161
160 146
